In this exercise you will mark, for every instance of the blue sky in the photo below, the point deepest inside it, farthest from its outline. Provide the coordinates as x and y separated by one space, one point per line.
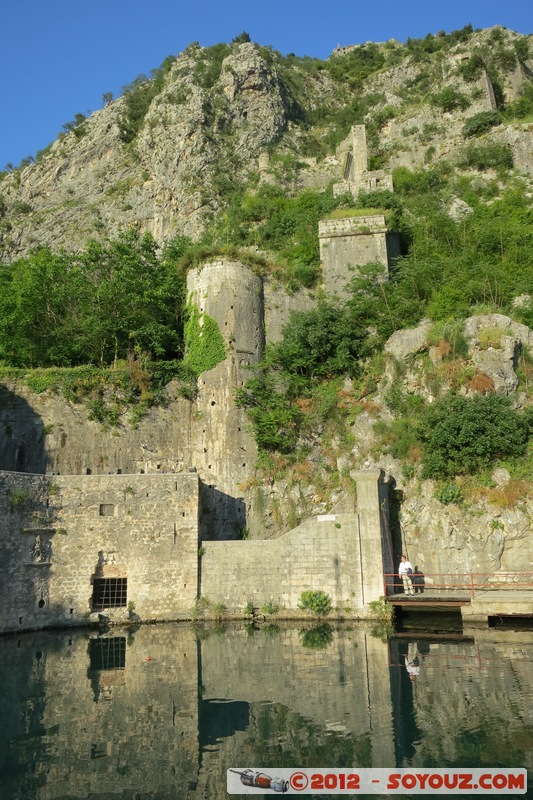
58 57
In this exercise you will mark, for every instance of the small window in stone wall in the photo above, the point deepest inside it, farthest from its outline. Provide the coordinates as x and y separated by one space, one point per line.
110 593
107 509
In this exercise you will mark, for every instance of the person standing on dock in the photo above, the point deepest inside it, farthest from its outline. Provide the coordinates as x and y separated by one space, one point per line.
405 571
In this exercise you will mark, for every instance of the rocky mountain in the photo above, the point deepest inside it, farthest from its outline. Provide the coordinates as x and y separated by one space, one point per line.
164 155
449 123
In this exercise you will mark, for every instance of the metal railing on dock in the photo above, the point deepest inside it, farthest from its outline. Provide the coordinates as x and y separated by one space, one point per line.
462 583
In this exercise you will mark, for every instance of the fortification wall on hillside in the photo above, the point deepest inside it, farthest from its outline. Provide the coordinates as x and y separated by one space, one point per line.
137 535
351 242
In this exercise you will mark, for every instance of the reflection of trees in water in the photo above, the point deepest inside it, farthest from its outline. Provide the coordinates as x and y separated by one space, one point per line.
279 736
480 716
317 638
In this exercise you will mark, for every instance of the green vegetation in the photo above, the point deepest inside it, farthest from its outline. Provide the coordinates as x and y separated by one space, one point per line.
138 96
450 99
270 607
384 615
487 155
110 324
95 307
450 268
522 107
421 48
463 435
249 609
317 345
273 220
203 340
18 498
316 601
76 126
481 123
209 64
317 638
450 493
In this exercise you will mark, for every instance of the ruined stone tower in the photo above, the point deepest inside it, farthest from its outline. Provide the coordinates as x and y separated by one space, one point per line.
356 177
350 241
224 452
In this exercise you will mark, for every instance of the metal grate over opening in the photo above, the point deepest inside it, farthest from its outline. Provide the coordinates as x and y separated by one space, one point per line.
110 593
108 653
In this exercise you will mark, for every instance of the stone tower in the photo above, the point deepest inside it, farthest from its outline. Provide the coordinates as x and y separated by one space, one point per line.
350 241
224 451
356 177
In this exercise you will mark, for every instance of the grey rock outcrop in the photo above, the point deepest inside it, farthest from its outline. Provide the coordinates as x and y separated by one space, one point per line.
411 340
165 182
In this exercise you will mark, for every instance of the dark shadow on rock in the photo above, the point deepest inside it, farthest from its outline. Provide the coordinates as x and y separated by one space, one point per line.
22 435
222 516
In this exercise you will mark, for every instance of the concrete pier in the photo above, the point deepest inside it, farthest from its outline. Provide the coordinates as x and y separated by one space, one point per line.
506 603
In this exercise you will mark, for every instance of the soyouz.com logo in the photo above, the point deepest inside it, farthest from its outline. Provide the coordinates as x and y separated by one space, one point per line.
253 780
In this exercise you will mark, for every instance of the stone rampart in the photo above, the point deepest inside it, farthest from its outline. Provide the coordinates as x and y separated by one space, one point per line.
323 554
351 242
76 549
137 535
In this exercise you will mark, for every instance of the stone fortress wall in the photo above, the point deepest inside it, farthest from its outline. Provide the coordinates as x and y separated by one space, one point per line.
64 538
350 242
83 510
62 534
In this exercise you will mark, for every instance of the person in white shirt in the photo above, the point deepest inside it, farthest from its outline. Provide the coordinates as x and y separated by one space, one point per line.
405 570
412 662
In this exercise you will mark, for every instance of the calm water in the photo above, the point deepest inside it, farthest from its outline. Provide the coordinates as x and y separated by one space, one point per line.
161 712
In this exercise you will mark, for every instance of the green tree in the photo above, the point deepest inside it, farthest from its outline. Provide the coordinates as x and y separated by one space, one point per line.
32 302
130 301
463 435
275 418
112 298
241 38
321 343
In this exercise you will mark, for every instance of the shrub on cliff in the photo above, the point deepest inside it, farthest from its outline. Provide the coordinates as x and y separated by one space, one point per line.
481 123
463 435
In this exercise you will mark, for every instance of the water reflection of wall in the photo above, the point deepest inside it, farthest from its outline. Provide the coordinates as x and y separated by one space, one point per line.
273 668
155 712
102 730
308 707
467 705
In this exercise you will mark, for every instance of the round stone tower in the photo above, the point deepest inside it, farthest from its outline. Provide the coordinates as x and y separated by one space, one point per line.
224 452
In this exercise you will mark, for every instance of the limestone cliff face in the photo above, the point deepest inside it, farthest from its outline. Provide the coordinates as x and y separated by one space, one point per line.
204 127
494 531
414 127
165 181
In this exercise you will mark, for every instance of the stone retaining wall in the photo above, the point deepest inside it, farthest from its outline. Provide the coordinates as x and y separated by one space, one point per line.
59 534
